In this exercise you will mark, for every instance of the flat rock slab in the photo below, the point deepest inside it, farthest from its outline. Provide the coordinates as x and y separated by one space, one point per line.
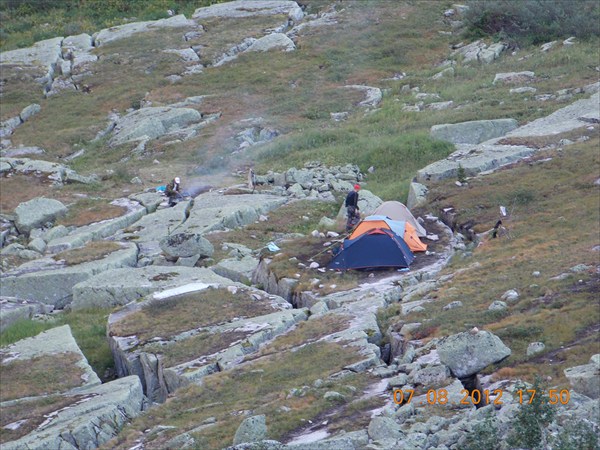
180 335
53 286
242 8
565 119
121 286
237 269
150 229
87 419
107 35
43 53
473 132
214 211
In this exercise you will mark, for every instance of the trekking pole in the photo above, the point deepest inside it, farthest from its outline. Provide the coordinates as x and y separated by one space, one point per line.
340 239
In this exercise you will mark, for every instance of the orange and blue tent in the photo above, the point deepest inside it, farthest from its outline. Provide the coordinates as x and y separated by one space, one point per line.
374 249
403 229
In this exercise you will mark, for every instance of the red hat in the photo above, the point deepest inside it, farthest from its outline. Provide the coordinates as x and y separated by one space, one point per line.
357 186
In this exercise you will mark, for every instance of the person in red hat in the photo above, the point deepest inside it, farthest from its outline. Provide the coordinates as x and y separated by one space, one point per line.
352 208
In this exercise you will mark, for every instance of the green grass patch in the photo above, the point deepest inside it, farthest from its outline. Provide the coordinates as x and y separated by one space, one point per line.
89 330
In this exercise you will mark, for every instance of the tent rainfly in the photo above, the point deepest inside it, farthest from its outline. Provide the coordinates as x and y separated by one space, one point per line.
397 211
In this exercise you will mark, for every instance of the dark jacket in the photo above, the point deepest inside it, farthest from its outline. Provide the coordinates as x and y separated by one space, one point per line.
172 189
352 199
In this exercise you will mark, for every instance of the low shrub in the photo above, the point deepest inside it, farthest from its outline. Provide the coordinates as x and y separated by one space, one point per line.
533 21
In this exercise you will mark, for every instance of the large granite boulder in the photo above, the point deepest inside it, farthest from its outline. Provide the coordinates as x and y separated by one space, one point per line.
585 378
473 132
252 429
185 245
37 212
468 353
272 41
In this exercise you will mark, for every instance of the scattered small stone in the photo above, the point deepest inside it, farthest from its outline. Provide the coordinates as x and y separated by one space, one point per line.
314 265
498 306
536 274
580 268
535 348
334 396
453 305
510 296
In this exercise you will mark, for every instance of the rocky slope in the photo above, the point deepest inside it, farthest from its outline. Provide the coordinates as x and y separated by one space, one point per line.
187 318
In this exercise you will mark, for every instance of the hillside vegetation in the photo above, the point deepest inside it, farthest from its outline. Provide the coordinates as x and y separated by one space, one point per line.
548 251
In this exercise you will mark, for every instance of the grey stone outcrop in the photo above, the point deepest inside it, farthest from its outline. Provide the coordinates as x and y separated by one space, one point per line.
52 283
479 51
384 428
241 8
252 429
353 440
58 240
237 269
468 353
514 77
417 195
120 286
43 54
107 35
96 415
373 95
37 213
54 171
134 356
153 122
473 132
97 411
